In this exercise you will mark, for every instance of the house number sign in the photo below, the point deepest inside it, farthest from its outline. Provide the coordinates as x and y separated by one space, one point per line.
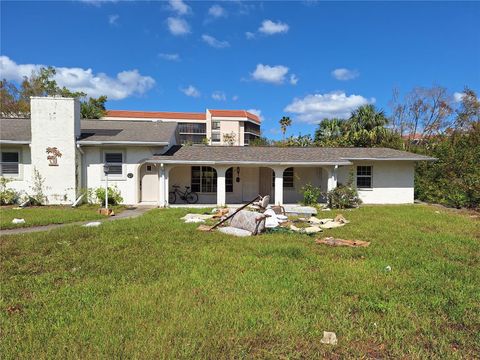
52 155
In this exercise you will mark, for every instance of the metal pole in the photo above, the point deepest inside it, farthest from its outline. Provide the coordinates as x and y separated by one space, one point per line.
106 191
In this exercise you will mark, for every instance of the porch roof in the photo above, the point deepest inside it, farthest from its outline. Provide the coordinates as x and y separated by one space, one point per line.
279 155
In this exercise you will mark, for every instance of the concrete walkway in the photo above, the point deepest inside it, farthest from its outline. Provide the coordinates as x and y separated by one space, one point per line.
128 213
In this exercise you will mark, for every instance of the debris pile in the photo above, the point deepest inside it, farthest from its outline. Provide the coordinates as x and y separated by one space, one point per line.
342 242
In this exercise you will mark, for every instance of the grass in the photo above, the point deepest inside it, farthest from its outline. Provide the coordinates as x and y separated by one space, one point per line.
45 215
154 287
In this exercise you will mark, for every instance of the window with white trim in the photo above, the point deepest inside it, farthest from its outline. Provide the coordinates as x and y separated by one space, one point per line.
215 137
10 163
115 162
204 179
364 177
215 125
288 176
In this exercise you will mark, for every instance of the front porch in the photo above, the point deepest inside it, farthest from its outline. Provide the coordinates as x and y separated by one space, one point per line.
235 185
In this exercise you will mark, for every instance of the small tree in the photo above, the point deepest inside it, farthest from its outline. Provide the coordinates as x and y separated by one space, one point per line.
285 122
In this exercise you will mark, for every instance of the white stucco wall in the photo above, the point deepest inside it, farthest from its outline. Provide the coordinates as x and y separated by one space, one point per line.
55 122
133 157
392 182
21 183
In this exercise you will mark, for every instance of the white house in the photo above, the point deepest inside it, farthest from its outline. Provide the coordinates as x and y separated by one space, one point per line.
147 159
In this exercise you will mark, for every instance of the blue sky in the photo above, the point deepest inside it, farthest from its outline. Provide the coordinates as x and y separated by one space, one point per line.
306 60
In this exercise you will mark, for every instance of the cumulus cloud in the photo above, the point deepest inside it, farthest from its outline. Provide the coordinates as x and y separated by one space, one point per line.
113 19
217 11
314 108
178 26
256 112
270 27
191 91
169 56
345 74
270 74
210 40
179 7
219 96
293 79
124 84
250 35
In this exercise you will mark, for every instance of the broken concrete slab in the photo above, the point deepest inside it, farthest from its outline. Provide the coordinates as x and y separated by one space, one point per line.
196 218
342 242
329 338
230 230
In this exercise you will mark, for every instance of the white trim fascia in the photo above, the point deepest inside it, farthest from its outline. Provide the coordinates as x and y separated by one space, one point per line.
15 142
427 158
145 143
280 163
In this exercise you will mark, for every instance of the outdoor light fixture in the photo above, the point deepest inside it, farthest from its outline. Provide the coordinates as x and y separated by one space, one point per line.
238 175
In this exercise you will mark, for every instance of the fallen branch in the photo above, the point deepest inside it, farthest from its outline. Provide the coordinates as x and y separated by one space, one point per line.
342 242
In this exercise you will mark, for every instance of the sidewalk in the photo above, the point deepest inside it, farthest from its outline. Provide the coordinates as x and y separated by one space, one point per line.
128 213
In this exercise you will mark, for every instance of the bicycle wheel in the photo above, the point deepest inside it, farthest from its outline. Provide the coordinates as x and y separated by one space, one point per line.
172 197
191 198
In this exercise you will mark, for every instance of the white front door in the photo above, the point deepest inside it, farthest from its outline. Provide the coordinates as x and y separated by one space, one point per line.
149 183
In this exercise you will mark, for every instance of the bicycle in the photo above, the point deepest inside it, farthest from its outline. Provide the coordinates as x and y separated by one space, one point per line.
188 196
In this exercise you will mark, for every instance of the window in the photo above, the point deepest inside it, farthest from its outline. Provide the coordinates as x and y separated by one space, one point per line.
229 180
287 178
9 164
204 179
192 139
215 125
149 169
189 128
115 162
216 137
364 176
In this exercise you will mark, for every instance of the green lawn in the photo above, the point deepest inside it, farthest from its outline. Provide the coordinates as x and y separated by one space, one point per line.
154 287
44 215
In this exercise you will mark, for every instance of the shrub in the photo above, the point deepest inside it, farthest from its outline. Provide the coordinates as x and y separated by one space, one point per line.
38 197
311 194
7 196
114 197
342 197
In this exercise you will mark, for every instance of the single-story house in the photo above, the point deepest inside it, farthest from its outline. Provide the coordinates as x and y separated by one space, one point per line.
54 148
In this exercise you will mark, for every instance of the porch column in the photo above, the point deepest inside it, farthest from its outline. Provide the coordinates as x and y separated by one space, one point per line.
221 186
279 185
332 177
161 186
167 174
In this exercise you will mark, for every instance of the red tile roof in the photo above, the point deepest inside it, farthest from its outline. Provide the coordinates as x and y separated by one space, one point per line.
181 115
235 113
155 115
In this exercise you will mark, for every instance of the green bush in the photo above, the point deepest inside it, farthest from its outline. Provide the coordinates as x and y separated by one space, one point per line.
343 197
310 194
7 196
114 196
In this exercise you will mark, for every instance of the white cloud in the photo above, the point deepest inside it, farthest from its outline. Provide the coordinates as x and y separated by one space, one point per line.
178 26
113 19
458 96
270 28
124 84
169 57
345 74
256 112
210 40
249 35
191 91
219 96
217 11
179 7
235 97
293 79
270 74
314 108
98 3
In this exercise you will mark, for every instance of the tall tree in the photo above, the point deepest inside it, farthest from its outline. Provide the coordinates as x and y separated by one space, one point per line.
330 131
15 101
285 122
366 127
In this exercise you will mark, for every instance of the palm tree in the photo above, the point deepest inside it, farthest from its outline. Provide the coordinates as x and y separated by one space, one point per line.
285 122
366 126
329 130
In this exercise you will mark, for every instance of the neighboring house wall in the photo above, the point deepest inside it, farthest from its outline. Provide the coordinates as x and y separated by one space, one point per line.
55 123
392 181
133 157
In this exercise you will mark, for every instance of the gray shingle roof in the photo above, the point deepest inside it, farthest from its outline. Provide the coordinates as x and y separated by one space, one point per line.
280 155
98 130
